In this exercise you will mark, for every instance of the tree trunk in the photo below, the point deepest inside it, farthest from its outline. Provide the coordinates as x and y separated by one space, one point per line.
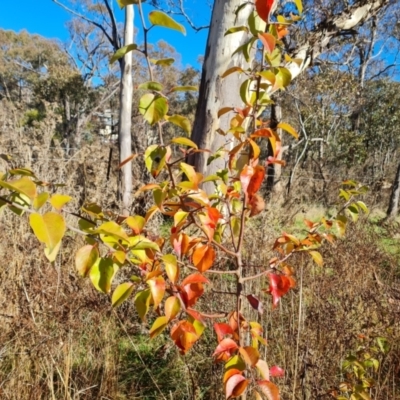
394 197
125 115
216 92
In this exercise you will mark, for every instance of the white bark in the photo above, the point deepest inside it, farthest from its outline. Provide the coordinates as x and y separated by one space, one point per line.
216 92
125 114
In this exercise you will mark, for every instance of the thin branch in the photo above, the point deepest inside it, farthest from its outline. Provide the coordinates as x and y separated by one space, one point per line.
109 38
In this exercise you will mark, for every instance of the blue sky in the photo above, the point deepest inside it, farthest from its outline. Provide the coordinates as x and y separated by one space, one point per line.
47 19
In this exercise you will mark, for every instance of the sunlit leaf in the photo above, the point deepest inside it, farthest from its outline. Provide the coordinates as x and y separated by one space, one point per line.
111 228
172 307
222 330
226 344
159 18
184 89
268 41
48 228
277 371
102 273
269 389
250 355
236 29
24 186
155 158
279 286
136 223
286 127
165 62
184 141
142 303
158 326
121 293
316 257
153 107
265 8
85 258
183 123
235 386
158 87
203 257
40 200
58 201
122 51
171 267
157 289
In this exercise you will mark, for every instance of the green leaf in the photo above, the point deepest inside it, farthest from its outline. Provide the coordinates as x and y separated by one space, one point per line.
102 273
256 24
40 200
180 121
184 141
154 159
85 258
121 293
142 243
165 62
23 172
122 51
142 303
158 326
363 207
237 29
48 228
282 78
383 344
184 89
151 86
159 18
153 107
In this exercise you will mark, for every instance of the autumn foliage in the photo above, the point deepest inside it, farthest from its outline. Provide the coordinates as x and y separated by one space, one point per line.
169 275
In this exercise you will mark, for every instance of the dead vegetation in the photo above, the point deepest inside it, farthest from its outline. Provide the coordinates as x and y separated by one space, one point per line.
60 339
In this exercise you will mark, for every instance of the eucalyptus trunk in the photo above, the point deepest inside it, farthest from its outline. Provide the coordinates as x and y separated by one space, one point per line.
217 92
125 114
393 208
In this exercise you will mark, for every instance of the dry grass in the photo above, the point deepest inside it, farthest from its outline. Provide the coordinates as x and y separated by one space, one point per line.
59 338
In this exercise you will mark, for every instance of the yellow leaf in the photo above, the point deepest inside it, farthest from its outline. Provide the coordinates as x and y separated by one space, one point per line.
317 257
58 201
48 228
159 325
121 293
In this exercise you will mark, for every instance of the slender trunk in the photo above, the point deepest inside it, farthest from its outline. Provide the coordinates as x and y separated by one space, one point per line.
393 208
125 114
216 92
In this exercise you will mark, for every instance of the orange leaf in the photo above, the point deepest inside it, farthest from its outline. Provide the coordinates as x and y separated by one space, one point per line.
268 41
250 355
230 373
191 293
257 205
157 289
203 257
245 177
130 158
269 389
184 335
235 386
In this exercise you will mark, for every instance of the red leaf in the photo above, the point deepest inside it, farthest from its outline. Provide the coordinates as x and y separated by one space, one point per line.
269 389
235 386
222 330
265 8
225 345
279 285
256 180
192 292
255 303
277 371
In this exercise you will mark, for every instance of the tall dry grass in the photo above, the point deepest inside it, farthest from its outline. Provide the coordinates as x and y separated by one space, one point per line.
60 339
